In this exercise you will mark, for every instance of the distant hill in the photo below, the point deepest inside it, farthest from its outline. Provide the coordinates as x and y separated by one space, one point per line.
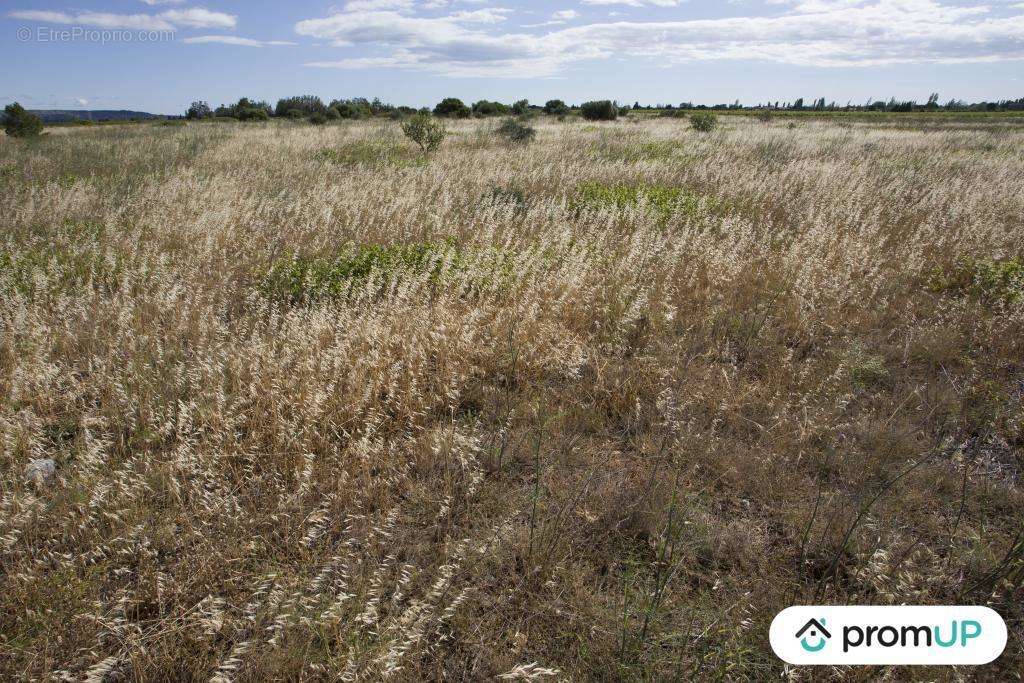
65 115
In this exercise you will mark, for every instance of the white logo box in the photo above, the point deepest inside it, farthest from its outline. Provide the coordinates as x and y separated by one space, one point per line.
852 635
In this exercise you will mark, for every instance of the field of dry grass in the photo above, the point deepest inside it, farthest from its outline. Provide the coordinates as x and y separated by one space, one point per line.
595 408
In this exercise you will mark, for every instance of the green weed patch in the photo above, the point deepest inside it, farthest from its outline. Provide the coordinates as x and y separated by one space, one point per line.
993 281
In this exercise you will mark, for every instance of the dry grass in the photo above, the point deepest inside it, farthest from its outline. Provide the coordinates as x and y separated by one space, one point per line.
321 411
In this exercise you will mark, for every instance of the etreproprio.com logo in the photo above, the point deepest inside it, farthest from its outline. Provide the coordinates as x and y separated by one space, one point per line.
888 635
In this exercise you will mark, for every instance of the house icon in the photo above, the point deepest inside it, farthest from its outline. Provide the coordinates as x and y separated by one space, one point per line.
816 629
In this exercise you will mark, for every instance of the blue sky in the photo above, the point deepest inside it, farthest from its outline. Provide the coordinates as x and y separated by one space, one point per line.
158 55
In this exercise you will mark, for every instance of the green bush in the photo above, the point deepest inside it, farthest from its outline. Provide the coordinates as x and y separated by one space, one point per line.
703 121
516 133
487 108
19 123
318 118
556 108
425 132
452 107
307 105
600 110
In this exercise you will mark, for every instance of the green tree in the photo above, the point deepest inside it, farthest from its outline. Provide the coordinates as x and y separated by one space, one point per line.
19 123
452 107
521 107
198 110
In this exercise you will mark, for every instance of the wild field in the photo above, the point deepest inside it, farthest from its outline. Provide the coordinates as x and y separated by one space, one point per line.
592 408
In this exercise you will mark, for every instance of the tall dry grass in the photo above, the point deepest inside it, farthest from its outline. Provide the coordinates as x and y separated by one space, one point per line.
595 408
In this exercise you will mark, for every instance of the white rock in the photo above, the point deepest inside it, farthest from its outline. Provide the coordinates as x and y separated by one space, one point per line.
40 470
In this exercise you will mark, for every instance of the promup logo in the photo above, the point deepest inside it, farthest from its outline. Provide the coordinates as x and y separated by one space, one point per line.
888 635
817 630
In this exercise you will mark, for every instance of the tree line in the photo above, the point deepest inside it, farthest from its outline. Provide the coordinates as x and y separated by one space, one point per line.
820 104
313 109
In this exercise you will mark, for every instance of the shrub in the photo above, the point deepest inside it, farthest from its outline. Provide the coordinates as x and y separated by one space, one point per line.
318 118
516 133
19 123
355 108
765 116
703 121
486 108
425 132
600 110
521 107
452 107
306 104
556 108
253 114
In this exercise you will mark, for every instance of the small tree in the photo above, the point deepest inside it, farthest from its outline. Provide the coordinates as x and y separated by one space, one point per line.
555 108
703 121
516 133
452 107
19 123
425 131
198 110
600 110
521 107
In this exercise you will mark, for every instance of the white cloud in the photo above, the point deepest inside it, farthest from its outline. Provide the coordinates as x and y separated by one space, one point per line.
81 101
637 3
153 3
565 14
165 21
819 33
234 40
197 17
135 22
371 5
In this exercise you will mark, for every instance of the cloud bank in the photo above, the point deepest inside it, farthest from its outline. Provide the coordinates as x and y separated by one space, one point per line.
819 33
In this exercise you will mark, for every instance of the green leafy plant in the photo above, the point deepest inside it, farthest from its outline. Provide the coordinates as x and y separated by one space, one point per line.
993 281
306 279
516 133
425 131
703 121
662 200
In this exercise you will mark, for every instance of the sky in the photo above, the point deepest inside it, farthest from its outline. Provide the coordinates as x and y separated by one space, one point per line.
160 55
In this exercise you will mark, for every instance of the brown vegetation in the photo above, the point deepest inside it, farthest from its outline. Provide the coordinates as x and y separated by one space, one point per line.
593 408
